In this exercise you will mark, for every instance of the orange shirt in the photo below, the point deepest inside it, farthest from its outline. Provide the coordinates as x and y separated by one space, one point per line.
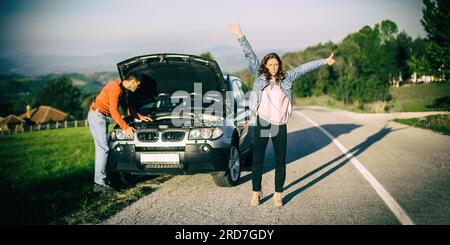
107 102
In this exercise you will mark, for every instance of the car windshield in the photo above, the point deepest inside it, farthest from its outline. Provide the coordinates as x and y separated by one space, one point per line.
159 82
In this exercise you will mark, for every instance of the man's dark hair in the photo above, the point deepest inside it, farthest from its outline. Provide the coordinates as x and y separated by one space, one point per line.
132 76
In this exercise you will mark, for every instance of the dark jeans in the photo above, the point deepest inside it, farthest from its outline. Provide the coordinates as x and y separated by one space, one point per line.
260 138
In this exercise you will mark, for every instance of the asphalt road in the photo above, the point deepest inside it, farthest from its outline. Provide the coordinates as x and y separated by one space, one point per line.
390 174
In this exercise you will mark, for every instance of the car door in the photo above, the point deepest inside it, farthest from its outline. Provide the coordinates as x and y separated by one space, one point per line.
242 116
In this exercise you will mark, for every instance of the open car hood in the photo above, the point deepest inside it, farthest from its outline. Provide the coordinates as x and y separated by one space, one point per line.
162 75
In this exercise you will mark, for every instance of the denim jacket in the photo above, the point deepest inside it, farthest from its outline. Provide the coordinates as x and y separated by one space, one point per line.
261 82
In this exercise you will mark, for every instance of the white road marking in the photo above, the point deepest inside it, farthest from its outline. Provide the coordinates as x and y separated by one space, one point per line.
383 193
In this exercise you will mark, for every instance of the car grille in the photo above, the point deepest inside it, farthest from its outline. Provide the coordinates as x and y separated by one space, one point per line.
167 136
148 136
173 136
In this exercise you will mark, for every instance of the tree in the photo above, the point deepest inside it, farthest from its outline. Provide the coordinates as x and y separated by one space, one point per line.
365 65
418 59
387 30
61 94
313 83
398 51
247 77
436 21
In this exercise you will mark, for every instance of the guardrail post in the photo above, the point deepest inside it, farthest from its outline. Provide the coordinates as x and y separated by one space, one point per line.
76 123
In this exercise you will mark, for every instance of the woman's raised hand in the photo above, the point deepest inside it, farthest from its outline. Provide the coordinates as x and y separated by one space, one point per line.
235 30
330 59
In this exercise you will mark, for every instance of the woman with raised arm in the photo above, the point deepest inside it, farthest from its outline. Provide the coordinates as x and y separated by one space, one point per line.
271 99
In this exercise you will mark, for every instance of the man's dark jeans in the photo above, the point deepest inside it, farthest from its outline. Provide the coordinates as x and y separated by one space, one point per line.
278 133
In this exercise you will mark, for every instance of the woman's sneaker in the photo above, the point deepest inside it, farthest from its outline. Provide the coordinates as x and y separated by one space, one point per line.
256 197
277 199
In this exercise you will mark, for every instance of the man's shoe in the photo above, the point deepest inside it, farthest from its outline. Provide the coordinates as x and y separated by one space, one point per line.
256 198
102 188
277 199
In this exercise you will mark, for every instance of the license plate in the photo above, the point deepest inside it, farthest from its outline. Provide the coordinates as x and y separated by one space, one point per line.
156 158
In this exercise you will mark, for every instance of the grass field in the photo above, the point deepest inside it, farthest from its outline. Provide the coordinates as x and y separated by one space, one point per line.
422 97
46 177
411 98
437 123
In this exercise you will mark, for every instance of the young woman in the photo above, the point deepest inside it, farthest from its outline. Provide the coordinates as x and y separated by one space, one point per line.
271 99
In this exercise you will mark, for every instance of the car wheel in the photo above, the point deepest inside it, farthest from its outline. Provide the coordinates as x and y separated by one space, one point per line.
231 176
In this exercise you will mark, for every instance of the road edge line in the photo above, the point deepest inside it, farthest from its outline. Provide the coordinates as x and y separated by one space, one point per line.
396 209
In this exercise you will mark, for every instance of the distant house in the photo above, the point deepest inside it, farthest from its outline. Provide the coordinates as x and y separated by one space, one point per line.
414 79
11 122
43 114
423 79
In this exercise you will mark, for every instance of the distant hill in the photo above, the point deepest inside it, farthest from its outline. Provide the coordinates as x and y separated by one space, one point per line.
14 86
230 59
37 65
237 62
16 91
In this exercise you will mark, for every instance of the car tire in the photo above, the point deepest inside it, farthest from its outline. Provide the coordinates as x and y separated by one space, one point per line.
231 176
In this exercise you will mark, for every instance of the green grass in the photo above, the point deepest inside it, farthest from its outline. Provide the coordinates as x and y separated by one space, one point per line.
410 98
437 123
46 177
421 97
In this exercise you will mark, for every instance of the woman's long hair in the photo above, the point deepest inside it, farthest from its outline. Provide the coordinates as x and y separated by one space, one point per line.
263 70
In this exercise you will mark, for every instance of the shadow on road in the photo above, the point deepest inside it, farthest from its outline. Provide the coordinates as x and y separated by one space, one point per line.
298 147
355 151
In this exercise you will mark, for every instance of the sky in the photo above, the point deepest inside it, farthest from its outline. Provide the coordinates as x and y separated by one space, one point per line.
95 27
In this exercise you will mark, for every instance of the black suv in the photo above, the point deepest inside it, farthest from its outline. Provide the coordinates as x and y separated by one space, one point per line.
201 121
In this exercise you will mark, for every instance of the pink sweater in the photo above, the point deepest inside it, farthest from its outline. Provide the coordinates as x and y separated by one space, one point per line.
274 105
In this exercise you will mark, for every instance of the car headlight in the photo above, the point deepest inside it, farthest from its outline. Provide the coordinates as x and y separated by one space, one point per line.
119 134
217 132
205 133
194 134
